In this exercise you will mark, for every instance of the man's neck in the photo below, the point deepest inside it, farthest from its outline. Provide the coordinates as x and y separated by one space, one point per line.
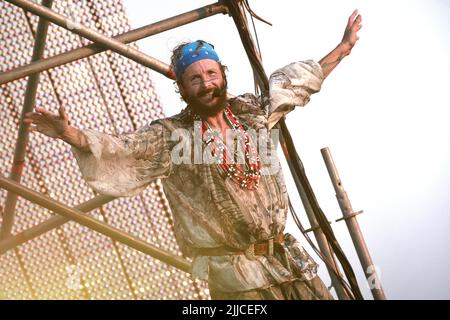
218 122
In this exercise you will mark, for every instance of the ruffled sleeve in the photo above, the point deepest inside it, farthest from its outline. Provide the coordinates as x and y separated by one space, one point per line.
293 86
124 164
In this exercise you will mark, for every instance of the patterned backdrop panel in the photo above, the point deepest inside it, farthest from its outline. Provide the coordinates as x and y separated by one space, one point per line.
108 93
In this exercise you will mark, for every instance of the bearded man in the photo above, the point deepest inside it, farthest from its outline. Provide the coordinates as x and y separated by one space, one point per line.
229 215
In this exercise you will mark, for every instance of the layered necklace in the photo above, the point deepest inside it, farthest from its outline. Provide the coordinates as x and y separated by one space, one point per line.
246 175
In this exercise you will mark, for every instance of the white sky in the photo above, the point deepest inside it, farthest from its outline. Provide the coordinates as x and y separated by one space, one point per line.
383 112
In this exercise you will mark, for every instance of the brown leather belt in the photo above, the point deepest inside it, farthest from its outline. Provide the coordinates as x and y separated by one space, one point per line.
265 247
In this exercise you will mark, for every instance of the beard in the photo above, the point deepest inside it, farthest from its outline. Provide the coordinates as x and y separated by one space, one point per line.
208 109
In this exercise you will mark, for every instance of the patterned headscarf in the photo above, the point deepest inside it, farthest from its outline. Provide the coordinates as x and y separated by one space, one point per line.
193 52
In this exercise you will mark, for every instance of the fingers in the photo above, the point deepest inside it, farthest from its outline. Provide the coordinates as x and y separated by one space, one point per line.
62 113
354 20
351 19
357 21
45 112
356 26
33 128
353 15
32 117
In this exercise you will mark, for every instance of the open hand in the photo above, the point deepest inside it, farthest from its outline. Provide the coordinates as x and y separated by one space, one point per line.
351 31
48 123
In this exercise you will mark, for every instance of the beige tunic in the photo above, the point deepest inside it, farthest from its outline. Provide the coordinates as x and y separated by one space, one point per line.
209 209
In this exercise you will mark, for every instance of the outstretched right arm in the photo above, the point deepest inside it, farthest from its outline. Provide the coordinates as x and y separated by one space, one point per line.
113 164
56 126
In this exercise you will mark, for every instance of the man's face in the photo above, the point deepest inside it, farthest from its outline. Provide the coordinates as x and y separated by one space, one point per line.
203 87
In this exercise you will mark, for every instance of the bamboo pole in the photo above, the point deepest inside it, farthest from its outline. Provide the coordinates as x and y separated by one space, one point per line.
127 37
240 20
353 228
50 224
23 135
95 36
320 237
87 221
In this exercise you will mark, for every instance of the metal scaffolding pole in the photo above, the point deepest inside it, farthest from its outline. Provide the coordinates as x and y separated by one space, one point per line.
22 139
50 224
87 221
127 37
95 36
353 227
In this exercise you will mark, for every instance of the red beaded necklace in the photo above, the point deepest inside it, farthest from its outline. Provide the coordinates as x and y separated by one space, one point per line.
247 176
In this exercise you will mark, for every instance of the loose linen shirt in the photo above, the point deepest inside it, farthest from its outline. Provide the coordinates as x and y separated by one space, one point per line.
209 209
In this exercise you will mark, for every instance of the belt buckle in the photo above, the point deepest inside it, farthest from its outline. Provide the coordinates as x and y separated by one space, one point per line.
250 252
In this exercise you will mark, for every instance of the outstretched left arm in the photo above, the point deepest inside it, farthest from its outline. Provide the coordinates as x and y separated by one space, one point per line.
331 60
293 84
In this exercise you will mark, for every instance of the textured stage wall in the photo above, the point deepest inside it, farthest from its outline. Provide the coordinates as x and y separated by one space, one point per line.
106 92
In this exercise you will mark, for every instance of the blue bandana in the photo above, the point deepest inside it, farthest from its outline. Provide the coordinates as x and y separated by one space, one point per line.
193 52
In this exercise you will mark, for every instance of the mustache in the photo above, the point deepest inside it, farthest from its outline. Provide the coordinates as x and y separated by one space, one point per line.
217 92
